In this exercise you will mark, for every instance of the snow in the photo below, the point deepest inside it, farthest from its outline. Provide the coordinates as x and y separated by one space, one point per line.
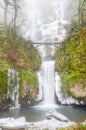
13 123
22 123
64 99
57 116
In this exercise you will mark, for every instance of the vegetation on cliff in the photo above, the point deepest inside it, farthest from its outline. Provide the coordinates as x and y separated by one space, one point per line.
71 56
17 53
78 126
71 64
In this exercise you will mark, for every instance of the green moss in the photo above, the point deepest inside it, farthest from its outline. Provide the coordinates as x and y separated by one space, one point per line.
29 77
17 53
3 82
78 126
71 60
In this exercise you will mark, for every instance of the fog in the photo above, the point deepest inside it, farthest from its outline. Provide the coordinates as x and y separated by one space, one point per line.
44 20
46 8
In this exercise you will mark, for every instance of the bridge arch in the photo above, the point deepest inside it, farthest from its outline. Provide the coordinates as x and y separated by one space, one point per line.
41 43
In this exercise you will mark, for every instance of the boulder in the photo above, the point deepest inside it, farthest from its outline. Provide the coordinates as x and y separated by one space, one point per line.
78 90
57 116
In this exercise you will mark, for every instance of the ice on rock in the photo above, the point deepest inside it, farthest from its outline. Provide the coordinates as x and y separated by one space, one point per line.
13 123
57 116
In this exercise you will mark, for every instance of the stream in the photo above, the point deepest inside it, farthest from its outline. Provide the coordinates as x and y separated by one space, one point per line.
35 114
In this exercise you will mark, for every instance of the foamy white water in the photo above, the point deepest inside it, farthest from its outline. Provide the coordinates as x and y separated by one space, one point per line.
48 73
13 87
66 99
47 27
51 29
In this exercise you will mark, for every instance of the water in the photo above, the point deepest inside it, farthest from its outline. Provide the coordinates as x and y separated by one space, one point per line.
40 93
48 75
47 23
51 29
33 114
13 87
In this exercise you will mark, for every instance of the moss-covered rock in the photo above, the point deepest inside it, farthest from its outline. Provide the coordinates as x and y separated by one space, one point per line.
71 64
5 103
3 83
78 126
81 93
19 54
28 94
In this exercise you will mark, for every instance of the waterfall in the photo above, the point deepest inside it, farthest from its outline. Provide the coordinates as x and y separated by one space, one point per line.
40 93
47 27
13 87
48 71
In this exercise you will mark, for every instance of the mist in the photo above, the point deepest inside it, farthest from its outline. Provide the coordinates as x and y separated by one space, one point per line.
44 20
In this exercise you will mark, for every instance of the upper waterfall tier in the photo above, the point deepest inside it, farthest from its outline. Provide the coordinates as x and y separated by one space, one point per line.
47 23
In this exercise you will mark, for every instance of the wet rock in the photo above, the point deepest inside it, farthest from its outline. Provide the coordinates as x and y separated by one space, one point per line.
57 116
5 103
20 124
79 91
28 94
13 124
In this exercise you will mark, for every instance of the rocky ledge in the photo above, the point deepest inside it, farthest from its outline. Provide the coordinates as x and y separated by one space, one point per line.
54 120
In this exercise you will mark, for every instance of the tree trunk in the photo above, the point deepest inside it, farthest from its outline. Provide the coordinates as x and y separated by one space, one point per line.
81 11
5 12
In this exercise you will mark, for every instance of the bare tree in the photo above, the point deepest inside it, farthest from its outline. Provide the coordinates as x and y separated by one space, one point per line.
11 6
5 11
16 9
4 5
81 10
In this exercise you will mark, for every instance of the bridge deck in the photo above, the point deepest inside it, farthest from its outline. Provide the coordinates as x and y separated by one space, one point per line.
41 43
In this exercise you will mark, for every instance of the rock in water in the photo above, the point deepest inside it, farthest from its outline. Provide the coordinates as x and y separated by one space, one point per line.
57 116
12 123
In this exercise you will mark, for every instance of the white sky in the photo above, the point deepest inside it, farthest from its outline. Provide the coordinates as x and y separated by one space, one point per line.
46 17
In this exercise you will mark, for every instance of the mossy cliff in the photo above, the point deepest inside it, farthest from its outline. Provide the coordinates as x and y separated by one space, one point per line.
71 64
17 53
78 126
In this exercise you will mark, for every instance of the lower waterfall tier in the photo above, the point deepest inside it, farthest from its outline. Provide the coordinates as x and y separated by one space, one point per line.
48 76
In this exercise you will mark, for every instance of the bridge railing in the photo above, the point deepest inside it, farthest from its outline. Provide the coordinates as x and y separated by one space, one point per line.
41 43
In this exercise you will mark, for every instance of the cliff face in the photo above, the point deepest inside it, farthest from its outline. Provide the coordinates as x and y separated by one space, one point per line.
71 56
71 64
19 61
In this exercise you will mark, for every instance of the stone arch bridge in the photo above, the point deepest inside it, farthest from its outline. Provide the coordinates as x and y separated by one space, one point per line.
41 43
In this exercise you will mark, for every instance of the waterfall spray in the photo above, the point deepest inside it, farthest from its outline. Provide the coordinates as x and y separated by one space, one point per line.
45 30
48 70
13 87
